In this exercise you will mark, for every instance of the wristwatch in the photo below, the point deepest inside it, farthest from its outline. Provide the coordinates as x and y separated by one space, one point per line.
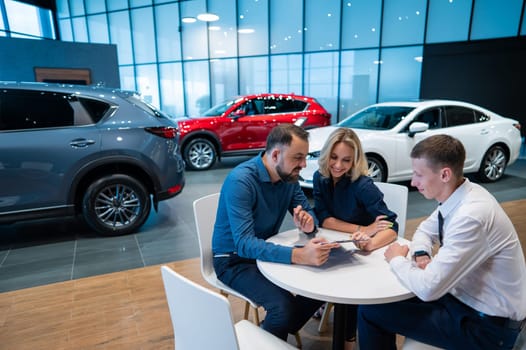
420 253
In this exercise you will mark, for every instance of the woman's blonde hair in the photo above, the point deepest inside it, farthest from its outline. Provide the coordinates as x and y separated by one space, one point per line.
348 137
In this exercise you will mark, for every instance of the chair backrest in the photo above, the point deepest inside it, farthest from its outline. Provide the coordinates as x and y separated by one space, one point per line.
205 210
201 318
396 197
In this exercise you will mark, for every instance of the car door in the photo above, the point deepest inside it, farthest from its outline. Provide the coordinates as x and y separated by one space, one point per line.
252 126
38 148
460 123
435 119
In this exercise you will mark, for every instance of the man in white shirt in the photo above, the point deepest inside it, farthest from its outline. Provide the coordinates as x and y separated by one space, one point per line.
472 293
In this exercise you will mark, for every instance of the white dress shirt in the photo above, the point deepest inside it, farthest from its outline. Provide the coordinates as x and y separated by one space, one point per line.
481 261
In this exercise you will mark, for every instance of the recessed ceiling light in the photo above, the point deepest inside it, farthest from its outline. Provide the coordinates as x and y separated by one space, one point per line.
188 19
246 31
207 17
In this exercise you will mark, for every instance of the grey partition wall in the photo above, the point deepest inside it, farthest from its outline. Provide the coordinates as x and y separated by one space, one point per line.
20 57
490 73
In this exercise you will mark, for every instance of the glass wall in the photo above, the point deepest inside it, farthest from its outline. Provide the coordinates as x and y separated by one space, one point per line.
25 20
346 54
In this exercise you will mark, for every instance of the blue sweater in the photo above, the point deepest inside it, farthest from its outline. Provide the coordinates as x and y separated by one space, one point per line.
251 209
358 202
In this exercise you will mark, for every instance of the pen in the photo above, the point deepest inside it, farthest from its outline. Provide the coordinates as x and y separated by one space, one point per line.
339 241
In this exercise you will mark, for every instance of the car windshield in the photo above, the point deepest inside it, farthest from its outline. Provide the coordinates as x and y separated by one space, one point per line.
219 109
377 118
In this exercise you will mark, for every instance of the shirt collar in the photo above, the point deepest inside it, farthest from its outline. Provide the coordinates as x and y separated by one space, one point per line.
263 174
455 198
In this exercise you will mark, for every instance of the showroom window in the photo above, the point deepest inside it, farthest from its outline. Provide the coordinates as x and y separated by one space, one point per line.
492 20
455 13
286 73
369 50
361 22
286 31
224 82
400 70
403 22
253 27
222 34
21 20
322 23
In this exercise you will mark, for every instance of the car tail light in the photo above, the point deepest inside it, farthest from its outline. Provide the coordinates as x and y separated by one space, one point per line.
175 189
517 126
168 132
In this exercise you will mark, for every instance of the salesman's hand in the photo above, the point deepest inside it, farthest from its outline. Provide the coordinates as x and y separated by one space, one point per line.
315 252
303 220
395 250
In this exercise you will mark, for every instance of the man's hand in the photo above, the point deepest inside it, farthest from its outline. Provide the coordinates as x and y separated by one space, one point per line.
315 252
422 261
395 250
303 220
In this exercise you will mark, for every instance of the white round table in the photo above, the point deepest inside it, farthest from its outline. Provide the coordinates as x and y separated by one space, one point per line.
350 276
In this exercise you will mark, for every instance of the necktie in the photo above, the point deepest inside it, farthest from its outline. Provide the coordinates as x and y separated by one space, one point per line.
440 227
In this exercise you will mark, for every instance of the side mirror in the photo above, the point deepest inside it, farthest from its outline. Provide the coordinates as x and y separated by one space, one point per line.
417 127
238 114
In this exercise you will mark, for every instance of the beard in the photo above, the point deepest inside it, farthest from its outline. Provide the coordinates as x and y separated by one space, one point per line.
288 177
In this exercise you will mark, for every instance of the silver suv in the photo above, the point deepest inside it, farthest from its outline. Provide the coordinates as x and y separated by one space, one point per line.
68 150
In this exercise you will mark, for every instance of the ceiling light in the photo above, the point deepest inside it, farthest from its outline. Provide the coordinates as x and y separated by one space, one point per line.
188 19
207 17
246 31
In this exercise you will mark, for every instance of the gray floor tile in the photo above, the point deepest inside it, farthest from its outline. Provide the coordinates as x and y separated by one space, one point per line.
101 261
35 273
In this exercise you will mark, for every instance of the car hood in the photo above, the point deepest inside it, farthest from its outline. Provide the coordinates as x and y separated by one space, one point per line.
318 136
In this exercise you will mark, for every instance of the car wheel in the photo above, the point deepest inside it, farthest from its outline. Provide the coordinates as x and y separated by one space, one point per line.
200 154
493 164
116 205
377 169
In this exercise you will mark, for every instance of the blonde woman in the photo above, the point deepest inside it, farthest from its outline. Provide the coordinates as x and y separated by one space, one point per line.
347 200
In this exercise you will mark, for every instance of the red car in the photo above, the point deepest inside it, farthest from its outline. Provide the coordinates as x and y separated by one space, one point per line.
240 126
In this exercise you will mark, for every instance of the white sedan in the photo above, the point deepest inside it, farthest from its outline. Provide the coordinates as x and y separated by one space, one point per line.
388 131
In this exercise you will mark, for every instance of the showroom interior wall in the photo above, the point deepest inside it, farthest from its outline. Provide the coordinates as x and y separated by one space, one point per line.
20 57
347 54
489 73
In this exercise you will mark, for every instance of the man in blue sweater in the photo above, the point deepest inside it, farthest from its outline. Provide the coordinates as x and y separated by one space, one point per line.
254 200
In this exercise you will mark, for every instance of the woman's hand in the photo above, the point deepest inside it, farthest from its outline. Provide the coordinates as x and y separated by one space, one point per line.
363 240
378 225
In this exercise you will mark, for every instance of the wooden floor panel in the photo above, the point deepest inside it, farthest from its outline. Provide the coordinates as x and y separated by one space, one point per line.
126 310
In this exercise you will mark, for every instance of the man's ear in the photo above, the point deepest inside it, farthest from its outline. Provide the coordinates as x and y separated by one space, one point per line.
275 154
446 174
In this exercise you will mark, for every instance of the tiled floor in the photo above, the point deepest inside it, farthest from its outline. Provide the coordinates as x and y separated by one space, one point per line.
50 251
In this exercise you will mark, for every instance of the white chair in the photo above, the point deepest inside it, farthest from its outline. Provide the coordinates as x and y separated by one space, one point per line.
202 319
396 198
205 211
